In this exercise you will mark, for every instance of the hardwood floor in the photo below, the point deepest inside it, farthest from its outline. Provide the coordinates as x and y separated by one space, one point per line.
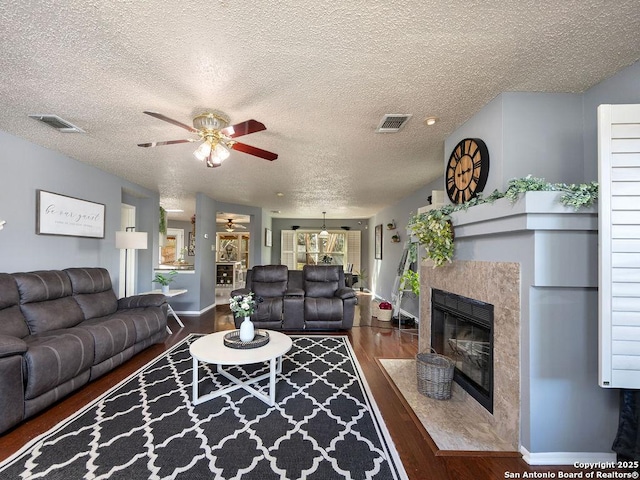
379 340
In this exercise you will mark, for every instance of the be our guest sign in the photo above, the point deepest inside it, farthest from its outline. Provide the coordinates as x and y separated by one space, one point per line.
62 215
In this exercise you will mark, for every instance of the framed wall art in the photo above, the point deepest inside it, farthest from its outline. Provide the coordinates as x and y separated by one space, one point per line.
268 240
378 242
68 216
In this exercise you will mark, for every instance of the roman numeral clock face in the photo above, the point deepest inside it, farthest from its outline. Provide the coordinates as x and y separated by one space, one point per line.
467 170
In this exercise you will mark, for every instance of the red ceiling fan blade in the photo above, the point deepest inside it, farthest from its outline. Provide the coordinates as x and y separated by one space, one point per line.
258 152
159 116
244 128
168 142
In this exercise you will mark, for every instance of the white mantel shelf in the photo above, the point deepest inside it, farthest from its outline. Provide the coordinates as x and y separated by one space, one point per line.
532 211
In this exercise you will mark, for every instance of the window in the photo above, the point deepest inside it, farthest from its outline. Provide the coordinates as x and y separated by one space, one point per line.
301 248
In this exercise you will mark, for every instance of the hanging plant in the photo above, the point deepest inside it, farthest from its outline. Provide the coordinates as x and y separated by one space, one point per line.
162 225
434 230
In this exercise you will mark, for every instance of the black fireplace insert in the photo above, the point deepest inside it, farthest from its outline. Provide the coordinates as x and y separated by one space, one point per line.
462 329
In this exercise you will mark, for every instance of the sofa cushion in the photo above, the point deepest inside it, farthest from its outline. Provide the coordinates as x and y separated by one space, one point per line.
269 280
320 281
112 335
46 301
55 357
12 322
323 309
93 291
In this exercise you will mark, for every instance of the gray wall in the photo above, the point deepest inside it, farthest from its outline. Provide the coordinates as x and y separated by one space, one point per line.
622 88
382 273
26 167
528 133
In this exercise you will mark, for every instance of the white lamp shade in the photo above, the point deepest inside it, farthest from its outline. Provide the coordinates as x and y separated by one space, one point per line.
131 240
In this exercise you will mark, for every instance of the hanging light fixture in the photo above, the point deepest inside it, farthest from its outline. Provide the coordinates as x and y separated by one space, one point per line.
323 232
214 150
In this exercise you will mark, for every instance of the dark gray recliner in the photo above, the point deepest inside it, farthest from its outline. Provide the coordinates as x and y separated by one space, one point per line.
328 303
278 307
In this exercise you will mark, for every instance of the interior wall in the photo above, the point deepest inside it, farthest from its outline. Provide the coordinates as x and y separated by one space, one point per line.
527 133
27 167
382 273
622 88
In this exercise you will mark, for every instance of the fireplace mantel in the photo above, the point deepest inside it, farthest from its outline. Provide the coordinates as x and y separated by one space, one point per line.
535 260
533 211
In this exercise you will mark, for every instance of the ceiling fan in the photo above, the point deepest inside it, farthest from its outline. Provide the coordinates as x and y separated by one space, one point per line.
230 226
216 134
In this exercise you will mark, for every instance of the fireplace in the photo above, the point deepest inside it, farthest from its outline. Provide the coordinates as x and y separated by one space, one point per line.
462 329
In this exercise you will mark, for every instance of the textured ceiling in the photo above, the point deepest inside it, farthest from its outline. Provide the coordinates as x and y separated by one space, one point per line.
319 74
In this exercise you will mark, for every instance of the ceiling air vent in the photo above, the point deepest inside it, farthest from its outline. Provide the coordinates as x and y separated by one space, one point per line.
58 123
392 122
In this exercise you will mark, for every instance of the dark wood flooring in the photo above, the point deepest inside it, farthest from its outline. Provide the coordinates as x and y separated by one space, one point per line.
419 455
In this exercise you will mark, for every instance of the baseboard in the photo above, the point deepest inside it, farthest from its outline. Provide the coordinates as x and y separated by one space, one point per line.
196 312
566 458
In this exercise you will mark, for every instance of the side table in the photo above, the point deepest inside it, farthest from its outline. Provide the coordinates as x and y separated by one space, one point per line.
172 293
364 304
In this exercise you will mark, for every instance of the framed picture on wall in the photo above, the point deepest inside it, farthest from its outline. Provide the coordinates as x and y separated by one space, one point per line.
69 216
378 242
268 240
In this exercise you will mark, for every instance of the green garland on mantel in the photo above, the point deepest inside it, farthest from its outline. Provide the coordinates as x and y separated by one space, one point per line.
434 230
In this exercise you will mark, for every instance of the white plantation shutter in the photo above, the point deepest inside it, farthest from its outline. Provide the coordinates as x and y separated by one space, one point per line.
619 245
287 245
353 249
288 251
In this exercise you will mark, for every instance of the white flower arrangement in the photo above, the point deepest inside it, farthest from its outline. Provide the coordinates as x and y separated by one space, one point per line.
243 305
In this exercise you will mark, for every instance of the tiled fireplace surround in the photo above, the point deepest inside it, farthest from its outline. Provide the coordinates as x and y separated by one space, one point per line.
535 261
496 283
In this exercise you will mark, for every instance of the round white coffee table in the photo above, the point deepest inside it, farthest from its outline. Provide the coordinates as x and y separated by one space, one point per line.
211 349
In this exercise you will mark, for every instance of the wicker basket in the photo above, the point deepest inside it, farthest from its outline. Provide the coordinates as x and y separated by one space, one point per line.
384 315
435 373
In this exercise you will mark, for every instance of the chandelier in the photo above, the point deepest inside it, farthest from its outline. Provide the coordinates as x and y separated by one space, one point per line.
323 233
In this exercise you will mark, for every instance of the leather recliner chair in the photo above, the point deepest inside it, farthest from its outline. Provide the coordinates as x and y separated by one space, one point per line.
328 303
278 307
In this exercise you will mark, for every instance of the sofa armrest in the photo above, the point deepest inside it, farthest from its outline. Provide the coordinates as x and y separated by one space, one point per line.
141 301
240 291
294 292
345 292
10 345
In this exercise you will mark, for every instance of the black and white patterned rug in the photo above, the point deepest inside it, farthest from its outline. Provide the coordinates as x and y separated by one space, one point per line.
325 425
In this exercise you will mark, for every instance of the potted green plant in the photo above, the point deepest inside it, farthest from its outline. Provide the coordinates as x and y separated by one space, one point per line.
164 280
362 278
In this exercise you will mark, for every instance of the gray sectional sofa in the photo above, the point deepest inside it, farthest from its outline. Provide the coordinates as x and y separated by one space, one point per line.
60 329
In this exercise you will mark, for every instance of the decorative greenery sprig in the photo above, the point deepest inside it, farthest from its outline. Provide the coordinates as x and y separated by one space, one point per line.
434 230
576 196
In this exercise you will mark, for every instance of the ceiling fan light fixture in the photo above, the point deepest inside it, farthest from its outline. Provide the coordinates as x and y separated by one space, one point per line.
217 155
203 151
